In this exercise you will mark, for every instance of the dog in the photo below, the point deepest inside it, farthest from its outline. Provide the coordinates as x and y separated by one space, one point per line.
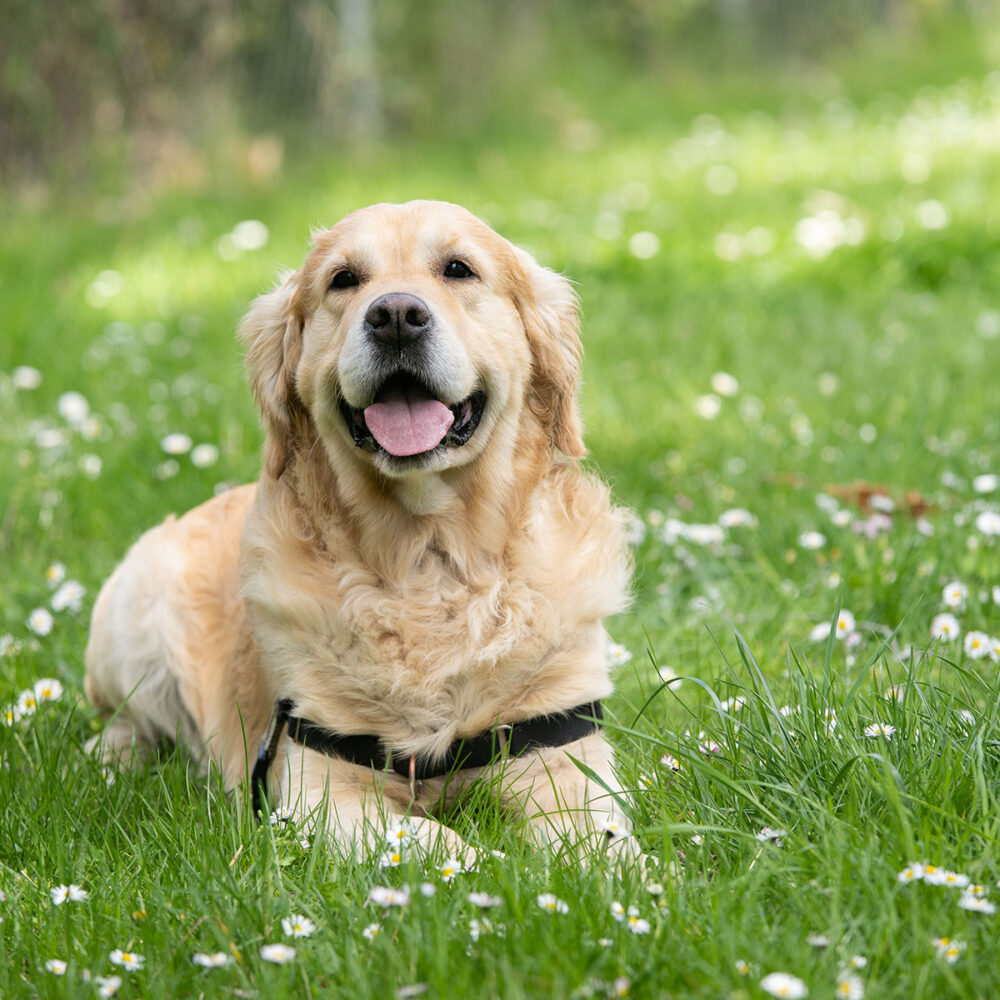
413 594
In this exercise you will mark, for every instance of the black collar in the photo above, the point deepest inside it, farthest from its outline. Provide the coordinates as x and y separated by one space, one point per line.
475 751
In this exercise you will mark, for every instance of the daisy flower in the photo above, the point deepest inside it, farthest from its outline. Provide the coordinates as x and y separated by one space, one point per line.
449 869
40 621
617 654
954 594
818 941
849 986
10 715
845 624
911 873
742 967
399 836
635 923
56 966
297 926
73 893
27 703
371 932
553 904
671 762
279 954
55 574
976 904
988 522
108 986
427 889
857 962
392 858
767 834
614 830
948 949
977 645
785 985
211 961
69 597
127 959
877 729
382 895
819 632
812 540
945 627
484 900
47 689
737 518
176 444
941 876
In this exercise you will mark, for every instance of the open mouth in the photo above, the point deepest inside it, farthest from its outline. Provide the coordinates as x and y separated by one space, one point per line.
406 419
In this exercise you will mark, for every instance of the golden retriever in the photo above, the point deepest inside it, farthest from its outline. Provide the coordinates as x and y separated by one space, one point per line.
422 560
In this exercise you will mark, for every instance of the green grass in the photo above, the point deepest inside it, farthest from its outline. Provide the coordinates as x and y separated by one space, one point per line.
875 362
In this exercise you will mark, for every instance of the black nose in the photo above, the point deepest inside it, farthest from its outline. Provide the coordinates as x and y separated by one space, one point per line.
397 319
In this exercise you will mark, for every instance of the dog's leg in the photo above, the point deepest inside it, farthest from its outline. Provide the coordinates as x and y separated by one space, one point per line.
358 807
565 806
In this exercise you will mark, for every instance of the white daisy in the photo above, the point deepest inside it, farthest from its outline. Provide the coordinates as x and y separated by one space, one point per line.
40 621
61 893
911 873
945 627
954 594
26 703
849 986
127 959
948 949
297 925
988 523
977 645
69 597
176 444
484 900
845 623
371 932
56 966
47 689
670 762
941 876
214 960
737 518
279 954
552 903
785 985
55 574
976 904
449 869
812 540
382 895
108 986
767 835
877 729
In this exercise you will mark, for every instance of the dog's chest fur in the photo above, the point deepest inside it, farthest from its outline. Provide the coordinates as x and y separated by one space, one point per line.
431 655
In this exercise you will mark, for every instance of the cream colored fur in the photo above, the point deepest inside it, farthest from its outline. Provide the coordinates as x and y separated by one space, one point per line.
420 604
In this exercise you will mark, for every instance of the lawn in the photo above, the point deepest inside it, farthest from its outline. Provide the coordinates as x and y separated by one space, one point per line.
792 333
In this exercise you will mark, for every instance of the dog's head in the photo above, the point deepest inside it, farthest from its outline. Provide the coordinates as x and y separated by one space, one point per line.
414 339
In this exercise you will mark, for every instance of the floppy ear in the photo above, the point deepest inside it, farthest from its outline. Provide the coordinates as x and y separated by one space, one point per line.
548 308
271 332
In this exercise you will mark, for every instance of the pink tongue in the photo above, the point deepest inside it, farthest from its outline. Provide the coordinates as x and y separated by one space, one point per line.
408 421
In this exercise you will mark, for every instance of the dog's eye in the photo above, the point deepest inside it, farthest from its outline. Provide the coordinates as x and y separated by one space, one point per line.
344 278
457 269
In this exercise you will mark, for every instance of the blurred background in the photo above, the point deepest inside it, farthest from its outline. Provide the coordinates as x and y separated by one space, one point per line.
151 93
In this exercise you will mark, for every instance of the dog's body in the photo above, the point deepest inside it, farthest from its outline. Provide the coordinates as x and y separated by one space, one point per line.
416 562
